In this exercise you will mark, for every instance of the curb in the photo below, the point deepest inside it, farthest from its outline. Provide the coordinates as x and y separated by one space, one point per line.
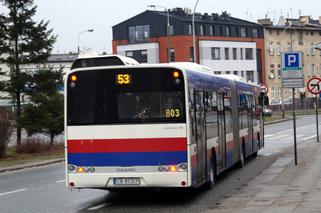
278 121
30 165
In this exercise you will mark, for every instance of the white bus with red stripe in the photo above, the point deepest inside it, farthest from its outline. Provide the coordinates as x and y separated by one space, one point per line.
163 125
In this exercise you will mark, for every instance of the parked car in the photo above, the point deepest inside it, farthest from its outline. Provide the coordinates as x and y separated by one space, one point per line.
267 112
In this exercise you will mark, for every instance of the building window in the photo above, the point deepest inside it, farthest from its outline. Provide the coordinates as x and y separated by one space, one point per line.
228 31
227 72
255 34
271 71
248 53
191 54
243 32
312 33
234 54
143 56
235 72
201 30
172 54
217 72
227 55
278 48
280 92
237 32
215 52
312 50
190 32
279 70
138 33
273 92
289 46
221 30
250 76
130 54
271 49
211 30
242 54
138 55
300 37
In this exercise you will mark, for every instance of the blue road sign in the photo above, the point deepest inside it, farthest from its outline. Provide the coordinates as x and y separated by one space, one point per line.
292 72
292 61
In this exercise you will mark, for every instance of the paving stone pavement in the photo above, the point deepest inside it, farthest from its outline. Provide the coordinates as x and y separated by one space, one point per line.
284 187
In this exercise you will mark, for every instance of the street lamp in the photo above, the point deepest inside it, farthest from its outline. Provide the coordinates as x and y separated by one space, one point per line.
89 30
193 23
168 26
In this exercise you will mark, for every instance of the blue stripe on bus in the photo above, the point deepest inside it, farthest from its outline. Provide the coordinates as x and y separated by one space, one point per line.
127 159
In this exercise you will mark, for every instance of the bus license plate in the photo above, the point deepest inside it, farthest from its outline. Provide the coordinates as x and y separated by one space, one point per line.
127 181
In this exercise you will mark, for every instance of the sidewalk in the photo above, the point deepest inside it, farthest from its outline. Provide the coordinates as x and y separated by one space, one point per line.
32 164
283 187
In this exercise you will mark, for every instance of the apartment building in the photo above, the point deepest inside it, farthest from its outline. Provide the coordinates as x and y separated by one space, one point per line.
226 44
295 34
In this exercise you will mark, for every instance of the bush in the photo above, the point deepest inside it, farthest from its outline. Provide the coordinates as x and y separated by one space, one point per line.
5 131
33 145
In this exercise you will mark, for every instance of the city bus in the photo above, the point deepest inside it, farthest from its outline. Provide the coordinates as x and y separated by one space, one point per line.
163 125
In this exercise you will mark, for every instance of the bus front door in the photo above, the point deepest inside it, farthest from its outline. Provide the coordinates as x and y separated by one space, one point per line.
200 136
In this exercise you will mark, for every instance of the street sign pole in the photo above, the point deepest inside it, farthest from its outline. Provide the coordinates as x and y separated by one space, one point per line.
314 87
316 115
294 127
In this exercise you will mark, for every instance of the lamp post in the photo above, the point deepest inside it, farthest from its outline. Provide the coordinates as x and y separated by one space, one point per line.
168 26
85 31
193 25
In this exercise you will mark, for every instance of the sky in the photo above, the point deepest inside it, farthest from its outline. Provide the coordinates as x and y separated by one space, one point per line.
70 17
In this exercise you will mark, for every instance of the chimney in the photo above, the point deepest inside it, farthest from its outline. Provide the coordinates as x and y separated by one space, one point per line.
305 19
265 21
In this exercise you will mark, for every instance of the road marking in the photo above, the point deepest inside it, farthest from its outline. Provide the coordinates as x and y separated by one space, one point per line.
307 138
11 192
289 130
97 207
60 181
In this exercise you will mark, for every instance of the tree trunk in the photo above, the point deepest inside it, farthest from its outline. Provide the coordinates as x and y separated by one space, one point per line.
18 91
52 136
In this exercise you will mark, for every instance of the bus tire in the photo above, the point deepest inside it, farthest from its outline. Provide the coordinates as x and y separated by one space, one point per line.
211 182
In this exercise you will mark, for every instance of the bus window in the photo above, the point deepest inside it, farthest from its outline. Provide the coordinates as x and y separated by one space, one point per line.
211 115
228 112
126 95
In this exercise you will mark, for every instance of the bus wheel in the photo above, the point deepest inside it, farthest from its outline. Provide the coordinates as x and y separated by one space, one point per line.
211 182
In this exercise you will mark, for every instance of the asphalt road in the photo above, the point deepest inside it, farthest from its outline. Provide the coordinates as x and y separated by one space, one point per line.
43 189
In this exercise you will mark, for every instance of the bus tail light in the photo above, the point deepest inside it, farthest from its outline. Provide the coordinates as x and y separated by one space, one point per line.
80 170
178 168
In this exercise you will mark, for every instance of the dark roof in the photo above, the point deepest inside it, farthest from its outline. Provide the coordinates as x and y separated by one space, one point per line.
214 18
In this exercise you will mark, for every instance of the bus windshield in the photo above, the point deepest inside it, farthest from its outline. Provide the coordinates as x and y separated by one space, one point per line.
127 95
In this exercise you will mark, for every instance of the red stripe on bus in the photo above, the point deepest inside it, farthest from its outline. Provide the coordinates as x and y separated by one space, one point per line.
127 145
